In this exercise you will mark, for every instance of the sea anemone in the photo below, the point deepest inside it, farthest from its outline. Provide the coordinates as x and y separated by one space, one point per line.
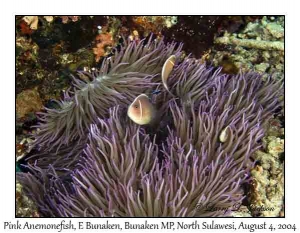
114 157
198 153
131 71
120 176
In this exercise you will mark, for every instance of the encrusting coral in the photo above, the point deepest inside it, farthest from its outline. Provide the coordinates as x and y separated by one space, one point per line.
95 161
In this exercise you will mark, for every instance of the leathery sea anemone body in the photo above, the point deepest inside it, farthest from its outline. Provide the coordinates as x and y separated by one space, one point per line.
94 161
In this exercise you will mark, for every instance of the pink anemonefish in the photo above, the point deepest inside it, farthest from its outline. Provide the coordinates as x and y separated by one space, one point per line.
141 110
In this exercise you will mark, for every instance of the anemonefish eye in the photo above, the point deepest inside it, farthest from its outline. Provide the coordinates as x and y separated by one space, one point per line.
136 106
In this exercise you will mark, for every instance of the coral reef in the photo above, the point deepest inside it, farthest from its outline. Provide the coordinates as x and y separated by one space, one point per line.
33 21
94 161
259 46
154 24
24 206
268 175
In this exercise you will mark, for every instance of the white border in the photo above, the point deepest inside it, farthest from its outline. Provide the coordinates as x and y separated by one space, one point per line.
152 7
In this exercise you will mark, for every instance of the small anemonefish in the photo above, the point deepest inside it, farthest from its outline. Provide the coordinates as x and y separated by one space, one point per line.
167 69
141 110
224 135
